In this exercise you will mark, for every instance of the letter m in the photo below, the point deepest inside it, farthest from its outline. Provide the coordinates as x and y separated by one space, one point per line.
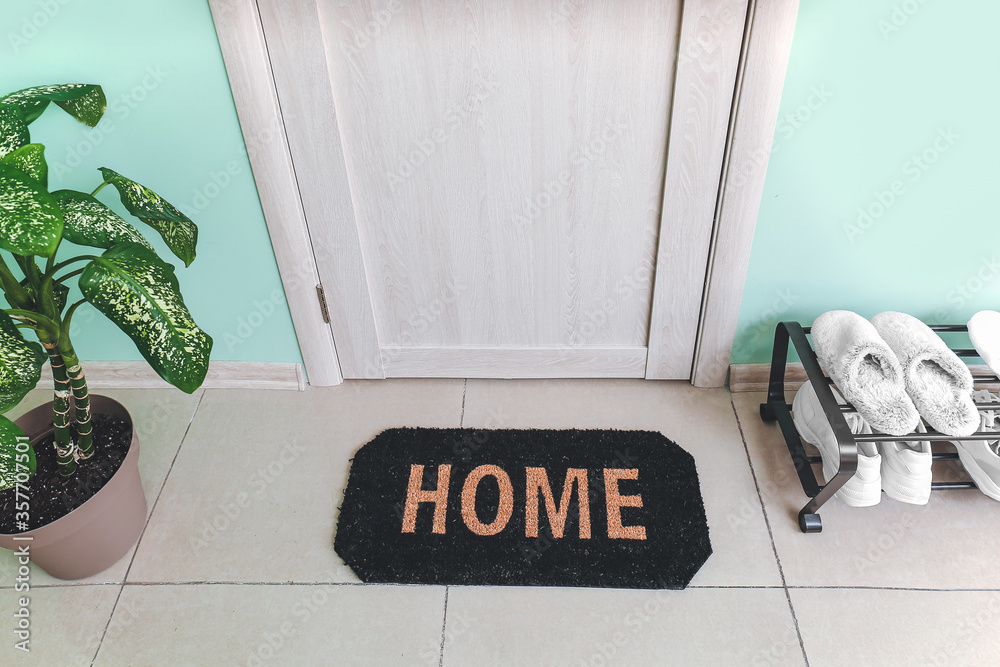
538 479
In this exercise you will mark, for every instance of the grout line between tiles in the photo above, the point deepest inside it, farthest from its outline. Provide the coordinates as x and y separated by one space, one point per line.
465 388
705 587
770 533
108 624
135 550
444 624
164 484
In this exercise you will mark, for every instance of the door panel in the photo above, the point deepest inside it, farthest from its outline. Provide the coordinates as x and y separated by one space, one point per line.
506 164
488 185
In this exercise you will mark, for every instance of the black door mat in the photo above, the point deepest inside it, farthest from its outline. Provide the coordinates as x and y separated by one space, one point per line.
502 507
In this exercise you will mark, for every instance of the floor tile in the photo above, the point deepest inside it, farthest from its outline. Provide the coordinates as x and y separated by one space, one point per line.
699 420
893 627
230 624
253 495
950 543
538 626
66 623
160 417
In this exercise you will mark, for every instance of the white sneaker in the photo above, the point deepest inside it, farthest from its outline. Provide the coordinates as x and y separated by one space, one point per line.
865 487
906 469
981 458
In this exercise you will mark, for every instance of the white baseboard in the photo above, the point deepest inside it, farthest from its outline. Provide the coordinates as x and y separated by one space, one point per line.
221 375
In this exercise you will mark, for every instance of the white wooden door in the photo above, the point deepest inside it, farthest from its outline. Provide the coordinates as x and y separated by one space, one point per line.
508 188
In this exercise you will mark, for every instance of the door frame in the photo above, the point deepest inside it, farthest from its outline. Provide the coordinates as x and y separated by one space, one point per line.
732 53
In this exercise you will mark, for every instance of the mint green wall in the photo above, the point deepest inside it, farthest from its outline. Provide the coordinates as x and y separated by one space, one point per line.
170 125
880 93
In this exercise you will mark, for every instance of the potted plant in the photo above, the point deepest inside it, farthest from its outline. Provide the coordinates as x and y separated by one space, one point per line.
123 277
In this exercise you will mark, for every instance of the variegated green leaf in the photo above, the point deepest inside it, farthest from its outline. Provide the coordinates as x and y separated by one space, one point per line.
30 220
17 457
21 363
138 291
30 159
13 130
83 101
180 234
86 221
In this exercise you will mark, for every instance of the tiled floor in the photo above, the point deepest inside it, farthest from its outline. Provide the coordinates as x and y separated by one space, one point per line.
216 582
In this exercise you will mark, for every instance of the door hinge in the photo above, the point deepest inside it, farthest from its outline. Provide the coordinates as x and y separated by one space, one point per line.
322 303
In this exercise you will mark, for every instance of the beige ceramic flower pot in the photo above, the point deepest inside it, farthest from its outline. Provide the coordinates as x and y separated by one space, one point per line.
95 535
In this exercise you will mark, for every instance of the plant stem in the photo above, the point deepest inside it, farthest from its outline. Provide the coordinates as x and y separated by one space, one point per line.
36 321
99 188
69 275
16 295
81 399
51 270
52 258
65 448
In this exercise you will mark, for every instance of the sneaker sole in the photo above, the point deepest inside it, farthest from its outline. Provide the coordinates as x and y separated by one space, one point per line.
983 481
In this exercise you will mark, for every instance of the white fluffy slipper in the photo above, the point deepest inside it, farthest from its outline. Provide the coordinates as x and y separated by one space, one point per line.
939 383
984 330
865 370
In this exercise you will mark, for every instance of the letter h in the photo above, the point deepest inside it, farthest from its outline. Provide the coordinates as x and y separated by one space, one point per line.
416 495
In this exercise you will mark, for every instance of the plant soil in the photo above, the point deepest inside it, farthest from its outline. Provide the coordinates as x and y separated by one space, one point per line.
52 496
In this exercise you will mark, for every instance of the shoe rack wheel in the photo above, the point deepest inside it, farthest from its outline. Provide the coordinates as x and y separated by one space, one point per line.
767 413
810 523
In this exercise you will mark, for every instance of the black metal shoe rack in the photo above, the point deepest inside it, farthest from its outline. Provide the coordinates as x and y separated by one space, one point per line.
778 409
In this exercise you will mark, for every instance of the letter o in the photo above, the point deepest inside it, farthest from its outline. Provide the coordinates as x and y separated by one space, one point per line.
930 155
255 322
506 505
211 191
876 206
